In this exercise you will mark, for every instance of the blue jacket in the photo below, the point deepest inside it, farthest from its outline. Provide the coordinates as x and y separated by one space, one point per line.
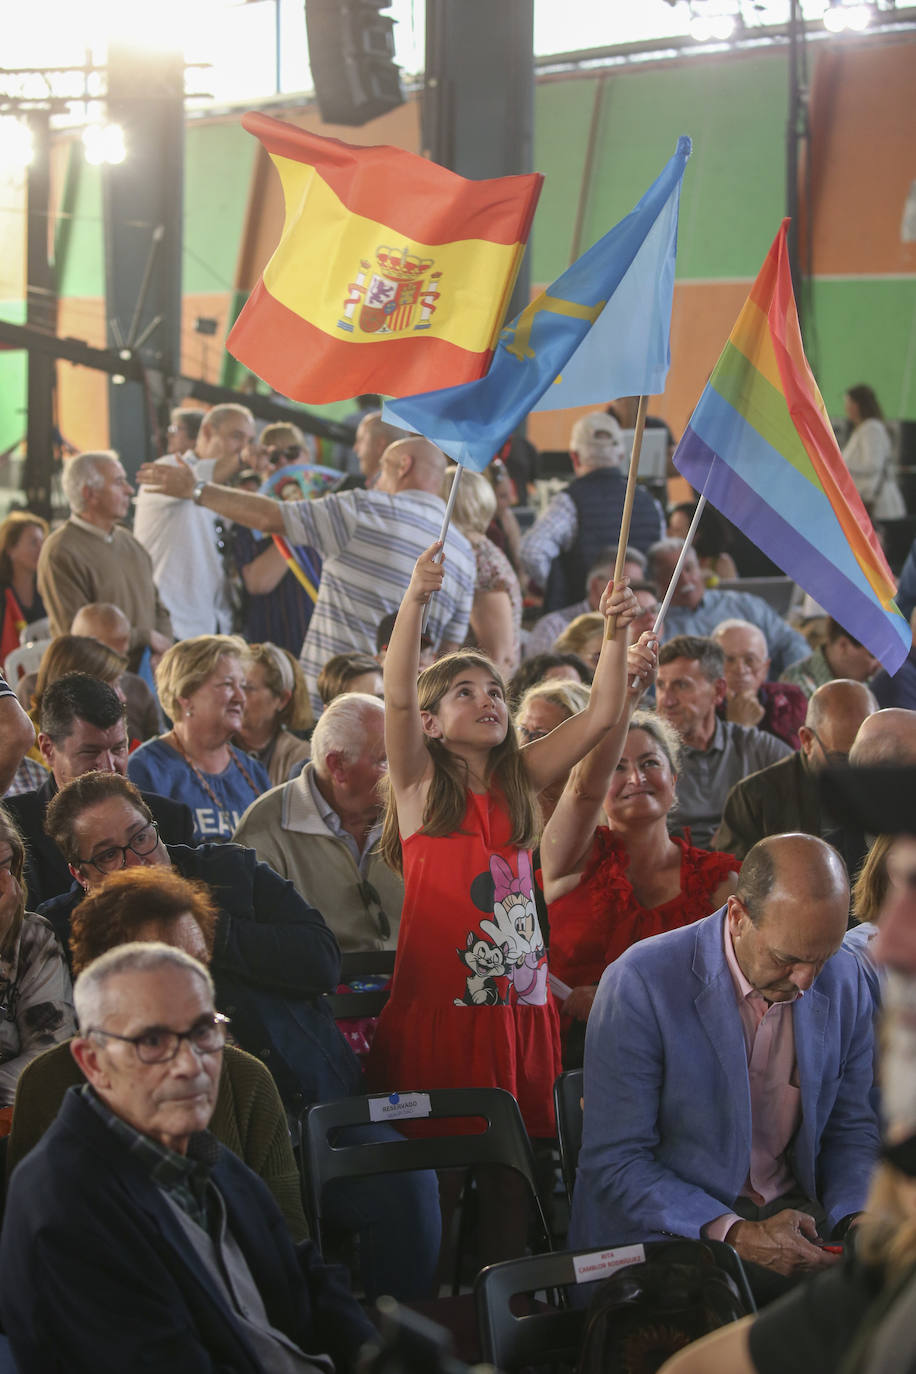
667 1132
98 1277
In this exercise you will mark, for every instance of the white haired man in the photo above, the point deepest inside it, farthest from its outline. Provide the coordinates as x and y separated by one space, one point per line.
184 541
321 830
563 544
132 1237
92 557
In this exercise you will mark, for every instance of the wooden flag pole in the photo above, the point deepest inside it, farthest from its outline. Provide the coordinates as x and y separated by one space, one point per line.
675 576
610 629
446 521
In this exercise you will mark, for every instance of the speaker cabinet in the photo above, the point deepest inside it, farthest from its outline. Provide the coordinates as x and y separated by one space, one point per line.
351 51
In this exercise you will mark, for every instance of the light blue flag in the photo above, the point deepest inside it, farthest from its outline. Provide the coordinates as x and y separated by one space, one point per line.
600 331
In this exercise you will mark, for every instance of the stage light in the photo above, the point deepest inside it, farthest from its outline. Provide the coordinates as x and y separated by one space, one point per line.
104 143
839 18
16 145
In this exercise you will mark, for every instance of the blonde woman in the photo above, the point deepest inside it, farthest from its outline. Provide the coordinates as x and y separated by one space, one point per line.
201 685
582 636
496 611
36 998
543 707
276 705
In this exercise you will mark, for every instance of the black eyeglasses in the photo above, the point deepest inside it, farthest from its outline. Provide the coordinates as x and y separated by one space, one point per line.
831 755
370 897
114 859
158 1045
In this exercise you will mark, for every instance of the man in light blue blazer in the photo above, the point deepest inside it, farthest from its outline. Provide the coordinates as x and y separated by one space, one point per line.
728 1069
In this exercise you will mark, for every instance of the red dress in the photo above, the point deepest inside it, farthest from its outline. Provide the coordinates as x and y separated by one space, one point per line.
470 1005
594 923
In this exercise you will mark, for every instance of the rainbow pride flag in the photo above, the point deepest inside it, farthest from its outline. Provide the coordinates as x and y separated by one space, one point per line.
761 448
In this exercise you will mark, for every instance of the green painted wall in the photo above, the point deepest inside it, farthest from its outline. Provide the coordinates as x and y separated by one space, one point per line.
12 382
865 331
218 162
80 244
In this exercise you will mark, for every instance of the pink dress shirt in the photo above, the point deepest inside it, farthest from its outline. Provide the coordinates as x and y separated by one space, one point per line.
769 1038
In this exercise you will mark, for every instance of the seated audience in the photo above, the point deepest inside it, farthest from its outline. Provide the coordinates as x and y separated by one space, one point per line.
82 729
721 1102
353 672
583 637
858 1317
563 543
64 655
546 668
545 631
786 795
321 830
711 539
21 537
612 874
156 904
496 610
35 989
776 707
697 610
542 708
717 753
273 958
201 687
840 656
276 705
128 1197
106 623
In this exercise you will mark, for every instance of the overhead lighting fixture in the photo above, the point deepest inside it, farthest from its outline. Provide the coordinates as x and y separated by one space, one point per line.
712 21
104 143
842 18
16 146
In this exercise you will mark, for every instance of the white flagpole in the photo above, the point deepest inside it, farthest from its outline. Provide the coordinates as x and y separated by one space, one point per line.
446 521
675 576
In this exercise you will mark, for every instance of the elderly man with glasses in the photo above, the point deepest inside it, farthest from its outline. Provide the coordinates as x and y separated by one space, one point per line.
273 958
132 1238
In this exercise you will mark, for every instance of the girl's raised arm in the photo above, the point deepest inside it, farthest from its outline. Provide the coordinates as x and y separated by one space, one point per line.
409 763
567 839
552 756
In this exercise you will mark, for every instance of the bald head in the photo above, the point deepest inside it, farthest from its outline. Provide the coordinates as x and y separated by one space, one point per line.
412 464
886 737
789 913
835 715
107 623
373 435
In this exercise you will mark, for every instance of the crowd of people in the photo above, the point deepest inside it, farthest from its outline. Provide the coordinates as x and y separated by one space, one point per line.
586 836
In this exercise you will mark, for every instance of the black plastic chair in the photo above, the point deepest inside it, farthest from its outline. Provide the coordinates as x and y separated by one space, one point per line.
361 963
358 963
551 1335
504 1141
567 1101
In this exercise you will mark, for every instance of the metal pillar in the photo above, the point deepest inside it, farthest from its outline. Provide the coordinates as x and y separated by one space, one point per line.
41 313
142 207
478 101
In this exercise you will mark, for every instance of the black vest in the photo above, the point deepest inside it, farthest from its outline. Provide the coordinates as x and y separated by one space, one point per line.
598 497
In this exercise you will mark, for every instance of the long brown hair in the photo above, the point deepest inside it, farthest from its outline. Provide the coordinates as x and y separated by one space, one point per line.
446 801
870 887
11 531
76 654
9 833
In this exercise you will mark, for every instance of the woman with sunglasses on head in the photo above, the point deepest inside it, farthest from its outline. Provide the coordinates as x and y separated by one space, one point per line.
275 607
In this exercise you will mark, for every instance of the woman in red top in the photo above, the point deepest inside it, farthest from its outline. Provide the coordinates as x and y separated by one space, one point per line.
609 886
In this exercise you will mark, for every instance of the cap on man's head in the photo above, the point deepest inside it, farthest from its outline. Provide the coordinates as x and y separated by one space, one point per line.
597 437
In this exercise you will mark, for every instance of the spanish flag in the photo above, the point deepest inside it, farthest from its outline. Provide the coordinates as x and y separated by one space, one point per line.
392 274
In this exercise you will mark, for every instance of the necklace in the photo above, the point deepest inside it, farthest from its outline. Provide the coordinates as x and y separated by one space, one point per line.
233 758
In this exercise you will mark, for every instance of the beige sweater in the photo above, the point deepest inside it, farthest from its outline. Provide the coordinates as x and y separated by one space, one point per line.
76 567
285 830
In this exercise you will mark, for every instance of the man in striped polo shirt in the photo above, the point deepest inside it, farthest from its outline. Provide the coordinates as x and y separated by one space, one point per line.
368 541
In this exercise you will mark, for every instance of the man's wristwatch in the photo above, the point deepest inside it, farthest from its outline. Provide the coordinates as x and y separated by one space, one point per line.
198 492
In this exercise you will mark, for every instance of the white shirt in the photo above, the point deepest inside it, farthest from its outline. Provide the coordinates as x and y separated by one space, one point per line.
180 537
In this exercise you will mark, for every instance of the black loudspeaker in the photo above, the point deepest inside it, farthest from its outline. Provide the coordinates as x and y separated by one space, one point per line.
351 51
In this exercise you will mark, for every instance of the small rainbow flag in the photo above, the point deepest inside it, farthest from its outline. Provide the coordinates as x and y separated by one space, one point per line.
761 448
392 274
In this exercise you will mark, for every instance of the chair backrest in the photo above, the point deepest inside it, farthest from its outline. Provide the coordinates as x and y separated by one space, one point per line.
503 1140
358 963
349 1006
511 1339
24 660
567 1100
